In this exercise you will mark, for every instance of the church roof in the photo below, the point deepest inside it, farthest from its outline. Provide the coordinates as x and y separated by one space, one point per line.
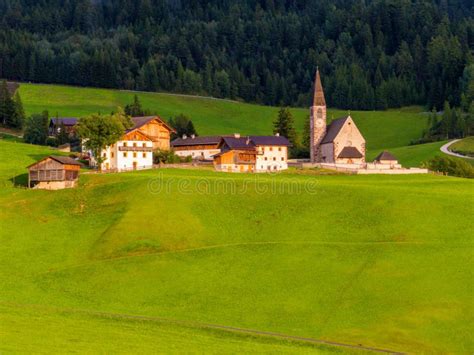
318 98
333 129
385 155
350 152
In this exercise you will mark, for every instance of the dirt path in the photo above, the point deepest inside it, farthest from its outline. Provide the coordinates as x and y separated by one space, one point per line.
193 324
445 150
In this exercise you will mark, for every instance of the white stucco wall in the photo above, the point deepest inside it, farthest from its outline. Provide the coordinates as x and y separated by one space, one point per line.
116 159
198 153
272 158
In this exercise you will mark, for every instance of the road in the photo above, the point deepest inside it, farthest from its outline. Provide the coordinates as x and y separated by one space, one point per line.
445 150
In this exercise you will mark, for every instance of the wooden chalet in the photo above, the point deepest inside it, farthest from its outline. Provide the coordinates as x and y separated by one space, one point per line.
53 173
154 128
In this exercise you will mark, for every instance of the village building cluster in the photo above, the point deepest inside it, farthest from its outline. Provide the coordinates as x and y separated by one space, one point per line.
338 145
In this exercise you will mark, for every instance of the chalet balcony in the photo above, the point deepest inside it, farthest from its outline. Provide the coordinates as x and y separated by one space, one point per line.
135 149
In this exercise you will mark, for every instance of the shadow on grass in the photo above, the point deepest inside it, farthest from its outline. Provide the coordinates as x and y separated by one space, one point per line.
20 180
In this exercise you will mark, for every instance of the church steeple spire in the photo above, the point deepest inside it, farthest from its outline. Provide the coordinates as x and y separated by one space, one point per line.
317 120
318 98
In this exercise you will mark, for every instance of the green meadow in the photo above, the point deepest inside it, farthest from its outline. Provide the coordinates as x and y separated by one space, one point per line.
464 146
390 129
140 262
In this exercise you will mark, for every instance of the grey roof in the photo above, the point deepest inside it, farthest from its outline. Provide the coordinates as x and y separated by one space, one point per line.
59 159
67 121
385 155
270 140
350 152
333 129
238 143
250 142
178 142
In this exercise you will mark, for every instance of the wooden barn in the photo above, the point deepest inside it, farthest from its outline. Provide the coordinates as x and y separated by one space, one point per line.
54 173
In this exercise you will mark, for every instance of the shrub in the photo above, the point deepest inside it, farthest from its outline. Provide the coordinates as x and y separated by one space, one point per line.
165 157
51 141
451 166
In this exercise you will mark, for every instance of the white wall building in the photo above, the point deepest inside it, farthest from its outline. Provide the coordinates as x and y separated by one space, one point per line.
133 152
252 154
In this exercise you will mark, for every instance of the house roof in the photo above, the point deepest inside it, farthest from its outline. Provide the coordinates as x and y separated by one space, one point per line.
143 120
238 142
67 121
385 155
270 140
318 96
333 129
179 142
12 87
350 152
59 159
250 142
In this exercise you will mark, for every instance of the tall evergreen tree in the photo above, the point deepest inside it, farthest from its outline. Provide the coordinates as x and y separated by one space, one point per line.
284 125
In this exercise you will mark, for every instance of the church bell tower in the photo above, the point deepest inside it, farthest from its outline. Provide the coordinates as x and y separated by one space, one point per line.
317 120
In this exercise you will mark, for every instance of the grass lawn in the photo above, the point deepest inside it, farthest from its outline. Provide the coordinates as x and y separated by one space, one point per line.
350 259
464 146
382 129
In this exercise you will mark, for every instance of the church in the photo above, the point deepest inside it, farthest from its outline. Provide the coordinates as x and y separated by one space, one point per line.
340 142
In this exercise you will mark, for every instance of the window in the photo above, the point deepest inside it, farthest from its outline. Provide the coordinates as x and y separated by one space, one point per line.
282 159
134 144
279 149
144 145
104 155
144 155
112 154
274 158
124 154
124 144
134 155
271 149
266 158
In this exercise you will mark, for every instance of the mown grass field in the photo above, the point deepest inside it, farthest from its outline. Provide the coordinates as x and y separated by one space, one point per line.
383 130
383 261
464 146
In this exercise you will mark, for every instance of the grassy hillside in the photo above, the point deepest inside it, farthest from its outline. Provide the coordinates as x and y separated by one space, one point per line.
383 130
464 146
351 259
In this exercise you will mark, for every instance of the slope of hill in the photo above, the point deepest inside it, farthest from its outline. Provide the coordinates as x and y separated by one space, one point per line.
352 259
382 129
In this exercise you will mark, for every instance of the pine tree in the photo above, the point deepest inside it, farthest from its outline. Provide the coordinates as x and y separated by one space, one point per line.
7 106
134 109
284 125
18 118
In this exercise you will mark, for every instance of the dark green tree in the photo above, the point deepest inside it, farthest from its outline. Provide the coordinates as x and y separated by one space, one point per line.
36 128
284 125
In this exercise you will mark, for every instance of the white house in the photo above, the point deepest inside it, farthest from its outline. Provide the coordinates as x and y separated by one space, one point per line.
252 154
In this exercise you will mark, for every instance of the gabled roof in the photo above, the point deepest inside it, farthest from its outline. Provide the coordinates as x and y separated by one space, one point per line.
179 142
333 129
141 121
136 130
350 152
270 140
385 155
318 95
238 142
59 159
67 121
250 142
